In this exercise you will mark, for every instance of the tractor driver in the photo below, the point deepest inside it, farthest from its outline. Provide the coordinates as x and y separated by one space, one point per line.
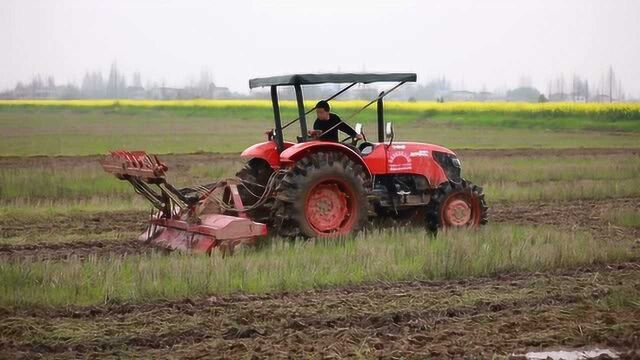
327 120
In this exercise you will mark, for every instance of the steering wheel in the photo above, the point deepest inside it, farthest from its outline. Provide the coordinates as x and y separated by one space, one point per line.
354 140
314 134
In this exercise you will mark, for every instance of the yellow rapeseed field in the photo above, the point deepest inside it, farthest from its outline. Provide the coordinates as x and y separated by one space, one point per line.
621 110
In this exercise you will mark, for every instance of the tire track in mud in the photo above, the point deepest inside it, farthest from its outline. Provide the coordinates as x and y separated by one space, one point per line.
95 234
456 318
589 215
76 249
72 224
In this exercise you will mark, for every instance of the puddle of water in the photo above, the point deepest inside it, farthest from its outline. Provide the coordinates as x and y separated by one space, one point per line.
575 354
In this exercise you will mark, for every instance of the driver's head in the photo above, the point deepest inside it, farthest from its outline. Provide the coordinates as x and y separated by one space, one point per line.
322 110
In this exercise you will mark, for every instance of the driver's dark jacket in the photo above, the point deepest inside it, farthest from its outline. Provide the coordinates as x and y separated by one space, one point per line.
332 135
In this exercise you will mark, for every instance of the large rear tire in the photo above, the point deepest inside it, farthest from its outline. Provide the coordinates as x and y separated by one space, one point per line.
322 195
455 205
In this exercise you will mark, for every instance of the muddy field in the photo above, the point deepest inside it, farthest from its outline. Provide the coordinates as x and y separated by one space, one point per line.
580 215
477 317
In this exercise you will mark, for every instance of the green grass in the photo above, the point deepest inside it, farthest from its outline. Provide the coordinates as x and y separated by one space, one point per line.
50 207
561 190
625 217
89 181
537 121
528 169
72 131
75 183
85 187
624 296
291 266
555 178
507 191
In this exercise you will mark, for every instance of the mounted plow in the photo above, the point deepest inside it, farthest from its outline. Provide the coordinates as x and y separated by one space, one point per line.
197 219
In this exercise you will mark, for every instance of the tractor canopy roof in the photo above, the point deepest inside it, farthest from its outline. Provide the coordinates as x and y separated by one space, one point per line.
335 78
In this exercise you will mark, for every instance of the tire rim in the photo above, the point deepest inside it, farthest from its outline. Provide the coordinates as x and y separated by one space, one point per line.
459 210
329 208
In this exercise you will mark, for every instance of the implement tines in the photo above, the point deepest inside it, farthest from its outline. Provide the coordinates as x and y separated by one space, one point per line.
141 170
134 163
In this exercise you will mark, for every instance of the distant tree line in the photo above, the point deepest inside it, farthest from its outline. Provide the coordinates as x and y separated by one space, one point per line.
609 88
115 86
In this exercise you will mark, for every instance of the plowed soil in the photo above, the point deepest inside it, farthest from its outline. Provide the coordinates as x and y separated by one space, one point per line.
80 223
88 227
468 318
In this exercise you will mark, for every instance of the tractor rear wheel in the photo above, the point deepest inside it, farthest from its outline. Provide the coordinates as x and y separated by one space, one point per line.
456 205
322 195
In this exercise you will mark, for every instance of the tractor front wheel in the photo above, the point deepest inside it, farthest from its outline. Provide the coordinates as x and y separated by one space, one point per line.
323 195
456 205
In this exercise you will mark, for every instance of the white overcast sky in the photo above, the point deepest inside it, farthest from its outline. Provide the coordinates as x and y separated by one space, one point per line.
473 43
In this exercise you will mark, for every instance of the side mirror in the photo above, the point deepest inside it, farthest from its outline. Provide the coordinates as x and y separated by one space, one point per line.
358 128
389 131
271 134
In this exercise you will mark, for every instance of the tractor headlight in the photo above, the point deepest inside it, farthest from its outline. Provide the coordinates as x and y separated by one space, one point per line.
449 163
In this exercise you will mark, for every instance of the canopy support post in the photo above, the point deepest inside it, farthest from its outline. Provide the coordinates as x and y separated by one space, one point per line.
301 113
380 108
276 116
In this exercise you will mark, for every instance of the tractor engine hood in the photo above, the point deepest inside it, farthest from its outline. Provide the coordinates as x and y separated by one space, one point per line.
438 164
407 145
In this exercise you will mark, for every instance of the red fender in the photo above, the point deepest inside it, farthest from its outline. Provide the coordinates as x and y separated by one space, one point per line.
298 151
265 150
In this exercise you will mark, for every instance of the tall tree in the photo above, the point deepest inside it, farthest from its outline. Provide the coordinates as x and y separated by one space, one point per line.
611 79
116 83
137 79
93 85
204 84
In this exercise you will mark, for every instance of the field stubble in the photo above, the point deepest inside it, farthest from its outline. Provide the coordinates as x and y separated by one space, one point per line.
67 184
66 239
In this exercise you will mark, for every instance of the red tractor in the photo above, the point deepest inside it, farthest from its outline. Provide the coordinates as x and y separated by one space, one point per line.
310 187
